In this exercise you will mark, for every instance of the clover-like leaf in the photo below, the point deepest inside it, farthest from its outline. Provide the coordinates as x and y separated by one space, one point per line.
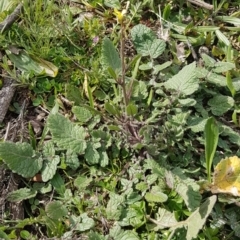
21 158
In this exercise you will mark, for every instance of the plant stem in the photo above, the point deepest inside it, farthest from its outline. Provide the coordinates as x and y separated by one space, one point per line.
122 81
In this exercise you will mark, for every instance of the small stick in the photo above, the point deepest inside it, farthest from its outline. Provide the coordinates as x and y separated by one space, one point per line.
8 22
201 4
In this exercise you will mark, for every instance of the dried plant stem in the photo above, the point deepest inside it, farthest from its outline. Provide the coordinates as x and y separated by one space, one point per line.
122 81
8 22
201 4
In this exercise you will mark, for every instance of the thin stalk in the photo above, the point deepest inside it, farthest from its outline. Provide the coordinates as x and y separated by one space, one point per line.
122 81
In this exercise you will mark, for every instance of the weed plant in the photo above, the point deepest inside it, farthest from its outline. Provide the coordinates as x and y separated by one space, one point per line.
138 119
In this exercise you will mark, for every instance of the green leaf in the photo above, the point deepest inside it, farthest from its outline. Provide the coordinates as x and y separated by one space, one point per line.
113 209
81 182
112 3
195 222
208 61
187 102
104 159
220 67
32 64
131 109
72 160
158 68
220 104
146 66
165 218
21 158
197 219
110 56
58 184
74 94
146 42
50 163
91 155
134 215
184 82
222 37
156 197
230 84
111 108
117 233
142 186
228 19
211 140
86 223
56 210
66 134
206 28
187 188
24 234
6 5
95 236
3 235
197 124
47 68
82 114
217 79
21 194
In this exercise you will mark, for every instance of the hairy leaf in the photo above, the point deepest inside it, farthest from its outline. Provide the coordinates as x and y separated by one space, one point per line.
20 158
119 234
195 222
72 160
82 114
66 134
198 218
21 194
91 155
50 163
56 210
220 67
81 182
220 104
165 218
85 224
187 189
112 3
104 160
110 56
113 209
156 197
185 82
146 42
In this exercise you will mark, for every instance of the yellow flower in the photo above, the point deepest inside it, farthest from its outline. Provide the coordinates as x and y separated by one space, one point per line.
120 15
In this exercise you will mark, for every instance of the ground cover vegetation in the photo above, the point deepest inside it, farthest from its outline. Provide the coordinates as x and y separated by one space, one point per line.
125 122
